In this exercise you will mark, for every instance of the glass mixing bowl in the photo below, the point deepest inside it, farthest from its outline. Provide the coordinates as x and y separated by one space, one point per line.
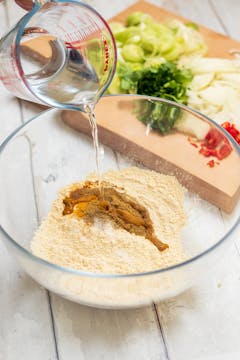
53 150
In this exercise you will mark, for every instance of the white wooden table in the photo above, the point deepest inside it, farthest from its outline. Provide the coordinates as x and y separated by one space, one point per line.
203 323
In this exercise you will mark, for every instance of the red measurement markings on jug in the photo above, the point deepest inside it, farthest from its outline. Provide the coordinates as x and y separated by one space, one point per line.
80 30
69 45
96 28
89 22
106 49
60 31
76 45
6 77
11 72
10 68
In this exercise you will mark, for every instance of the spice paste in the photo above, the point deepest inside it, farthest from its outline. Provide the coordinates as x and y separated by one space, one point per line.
88 203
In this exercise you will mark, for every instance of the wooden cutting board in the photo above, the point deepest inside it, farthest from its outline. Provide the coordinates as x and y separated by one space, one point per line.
119 129
172 153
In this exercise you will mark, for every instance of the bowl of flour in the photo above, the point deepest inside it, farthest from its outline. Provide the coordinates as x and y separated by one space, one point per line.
141 237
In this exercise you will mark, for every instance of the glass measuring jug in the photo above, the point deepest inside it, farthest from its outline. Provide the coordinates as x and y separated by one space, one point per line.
62 54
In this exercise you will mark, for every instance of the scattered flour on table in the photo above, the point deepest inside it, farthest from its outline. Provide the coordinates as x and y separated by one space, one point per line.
71 242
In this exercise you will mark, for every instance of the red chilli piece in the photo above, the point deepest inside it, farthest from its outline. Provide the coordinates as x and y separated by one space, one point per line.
213 138
206 151
215 144
194 144
224 151
211 163
232 130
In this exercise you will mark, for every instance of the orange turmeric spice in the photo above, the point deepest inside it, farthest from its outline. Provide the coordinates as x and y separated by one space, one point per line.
87 203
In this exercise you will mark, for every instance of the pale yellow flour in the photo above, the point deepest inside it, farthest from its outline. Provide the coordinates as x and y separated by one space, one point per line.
101 247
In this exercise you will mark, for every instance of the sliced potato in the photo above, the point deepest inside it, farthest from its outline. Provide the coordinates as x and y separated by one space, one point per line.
217 95
202 81
206 65
190 125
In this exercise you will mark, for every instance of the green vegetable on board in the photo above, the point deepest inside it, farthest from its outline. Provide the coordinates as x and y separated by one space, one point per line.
147 55
168 82
171 39
164 81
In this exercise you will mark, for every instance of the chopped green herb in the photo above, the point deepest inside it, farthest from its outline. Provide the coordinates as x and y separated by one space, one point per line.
164 81
192 25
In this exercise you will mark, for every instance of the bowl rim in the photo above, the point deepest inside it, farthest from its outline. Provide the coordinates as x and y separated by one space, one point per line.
131 275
